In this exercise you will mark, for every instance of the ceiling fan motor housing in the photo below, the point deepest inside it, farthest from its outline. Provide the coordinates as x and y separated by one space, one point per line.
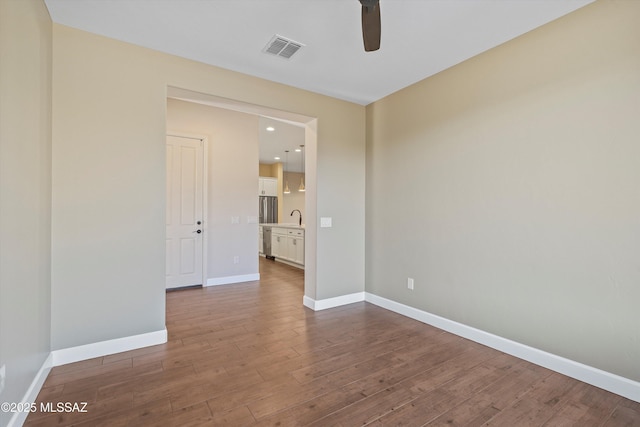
371 24
369 3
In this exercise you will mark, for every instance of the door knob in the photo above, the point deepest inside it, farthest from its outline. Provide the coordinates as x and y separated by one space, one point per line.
197 231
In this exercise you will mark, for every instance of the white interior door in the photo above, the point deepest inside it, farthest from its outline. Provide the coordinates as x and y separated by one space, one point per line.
185 221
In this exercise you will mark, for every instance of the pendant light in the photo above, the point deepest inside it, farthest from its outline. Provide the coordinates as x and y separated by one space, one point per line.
286 183
301 188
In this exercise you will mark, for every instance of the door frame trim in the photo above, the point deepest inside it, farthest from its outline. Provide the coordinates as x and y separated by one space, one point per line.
205 179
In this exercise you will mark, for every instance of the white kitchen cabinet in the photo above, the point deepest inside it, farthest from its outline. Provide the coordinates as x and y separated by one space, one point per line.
287 244
295 246
268 186
260 241
279 242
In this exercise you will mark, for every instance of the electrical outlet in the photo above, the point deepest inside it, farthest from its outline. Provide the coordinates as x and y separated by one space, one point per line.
410 283
236 259
3 374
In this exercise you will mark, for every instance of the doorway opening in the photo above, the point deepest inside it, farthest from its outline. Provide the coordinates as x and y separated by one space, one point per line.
309 126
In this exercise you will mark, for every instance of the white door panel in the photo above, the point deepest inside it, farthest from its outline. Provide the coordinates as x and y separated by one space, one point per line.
184 212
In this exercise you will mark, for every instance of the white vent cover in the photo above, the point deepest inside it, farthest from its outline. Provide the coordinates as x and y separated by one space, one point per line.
282 47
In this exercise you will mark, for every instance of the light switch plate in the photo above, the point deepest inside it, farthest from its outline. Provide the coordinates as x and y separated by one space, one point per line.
235 220
325 222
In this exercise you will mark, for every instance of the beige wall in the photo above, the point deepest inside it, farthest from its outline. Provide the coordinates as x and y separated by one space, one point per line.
269 170
25 194
232 184
109 104
507 187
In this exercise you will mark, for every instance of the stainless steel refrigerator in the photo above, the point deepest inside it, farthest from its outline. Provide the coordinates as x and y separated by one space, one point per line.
268 208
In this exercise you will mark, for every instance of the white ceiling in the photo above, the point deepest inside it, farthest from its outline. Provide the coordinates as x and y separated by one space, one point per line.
273 144
288 128
419 38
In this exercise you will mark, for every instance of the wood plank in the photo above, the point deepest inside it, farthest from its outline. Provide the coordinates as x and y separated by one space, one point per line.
627 413
539 404
488 402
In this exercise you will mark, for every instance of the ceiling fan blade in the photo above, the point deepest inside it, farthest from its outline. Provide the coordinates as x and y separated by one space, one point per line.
371 24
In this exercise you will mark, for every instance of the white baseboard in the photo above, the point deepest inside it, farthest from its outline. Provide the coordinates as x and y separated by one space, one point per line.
215 281
308 302
324 304
588 374
104 348
31 395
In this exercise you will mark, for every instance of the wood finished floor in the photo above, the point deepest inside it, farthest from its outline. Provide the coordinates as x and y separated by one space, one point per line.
251 354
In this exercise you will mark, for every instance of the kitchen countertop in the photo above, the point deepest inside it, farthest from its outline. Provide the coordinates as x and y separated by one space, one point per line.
284 225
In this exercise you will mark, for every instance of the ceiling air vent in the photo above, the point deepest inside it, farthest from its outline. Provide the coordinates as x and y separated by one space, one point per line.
282 47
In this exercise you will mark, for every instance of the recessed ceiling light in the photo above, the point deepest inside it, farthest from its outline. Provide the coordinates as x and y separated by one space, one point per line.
276 158
270 128
298 150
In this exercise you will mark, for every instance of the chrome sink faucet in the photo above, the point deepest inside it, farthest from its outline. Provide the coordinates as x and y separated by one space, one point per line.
300 219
